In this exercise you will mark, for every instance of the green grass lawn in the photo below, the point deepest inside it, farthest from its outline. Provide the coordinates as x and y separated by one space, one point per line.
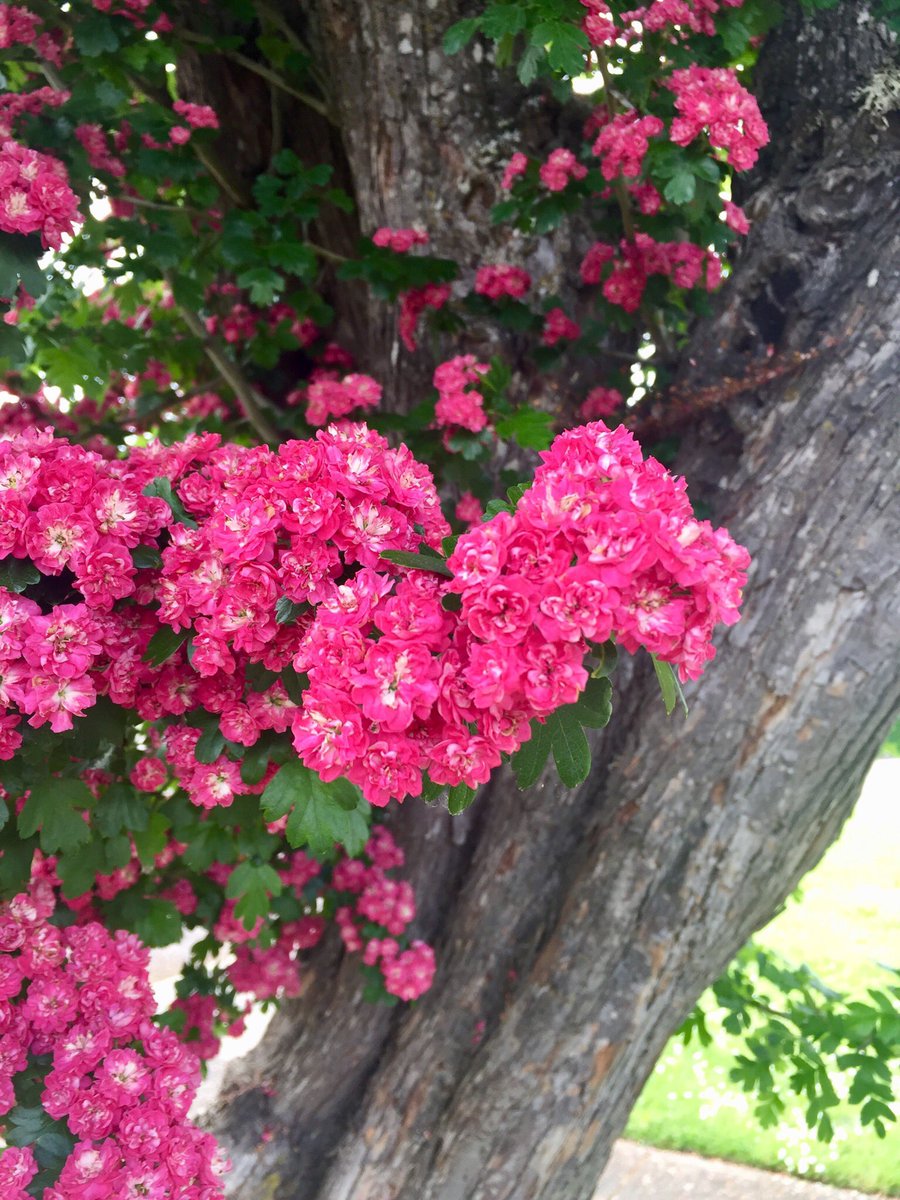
846 922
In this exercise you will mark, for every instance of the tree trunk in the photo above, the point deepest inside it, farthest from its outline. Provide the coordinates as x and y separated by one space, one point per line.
574 931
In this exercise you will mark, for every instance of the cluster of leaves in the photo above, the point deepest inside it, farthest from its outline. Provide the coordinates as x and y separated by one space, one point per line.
803 1038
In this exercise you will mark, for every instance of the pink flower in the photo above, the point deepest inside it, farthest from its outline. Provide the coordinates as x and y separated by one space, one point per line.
600 402
560 167
498 281
399 240
557 327
736 218
516 166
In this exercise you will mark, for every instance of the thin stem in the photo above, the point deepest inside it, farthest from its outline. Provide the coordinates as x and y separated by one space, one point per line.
277 124
251 404
331 255
52 76
260 69
657 332
140 202
275 17
265 13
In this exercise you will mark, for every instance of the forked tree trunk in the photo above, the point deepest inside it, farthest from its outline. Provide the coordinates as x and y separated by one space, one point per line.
574 931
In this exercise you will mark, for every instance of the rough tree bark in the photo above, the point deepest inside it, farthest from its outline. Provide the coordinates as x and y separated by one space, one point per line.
575 930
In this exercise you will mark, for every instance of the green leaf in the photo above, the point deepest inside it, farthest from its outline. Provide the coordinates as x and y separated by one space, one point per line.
163 645
55 807
120 808
669 686
146 557
529 66
594 706
571 751
156 922
681 187
531 428
153 840
735 36
418 562
459 798
252 885
499 20
318 816
95 35
19 256
264 284
528 761
162 487
431 791
78 871
460 34
287 611
293 257
102 726
255 763
16 574
566 45
15 863
165 248
210 744
608 657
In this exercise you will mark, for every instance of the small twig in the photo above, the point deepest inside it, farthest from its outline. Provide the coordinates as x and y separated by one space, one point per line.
140 202
260 69
277 124
236 192
331 255
248 398
52 76
291 36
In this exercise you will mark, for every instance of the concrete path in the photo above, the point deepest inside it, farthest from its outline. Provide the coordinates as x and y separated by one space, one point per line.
643 1173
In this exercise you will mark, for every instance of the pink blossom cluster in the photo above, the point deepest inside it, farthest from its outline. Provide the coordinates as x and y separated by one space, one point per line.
198 116
240 322
469 509
600 402
559 327
713 99
330 399
122 1085
399 240
413 304
621 551
35 196
96 146
451 696
685 263
677 17
67 510
696 16
375 899
735 217
560 167
516 166
398 684
646 197
14 105
459 404
498 281
599 23
17 26
622 144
